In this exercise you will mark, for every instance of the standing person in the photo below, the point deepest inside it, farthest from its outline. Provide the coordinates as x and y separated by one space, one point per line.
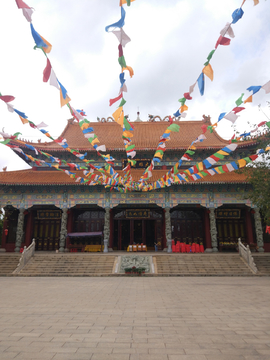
156 246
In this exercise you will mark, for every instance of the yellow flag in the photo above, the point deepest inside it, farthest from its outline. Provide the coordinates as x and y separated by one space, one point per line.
242 163
122 2
208 71
94 141
129 68
62 100
117 113
24 121
249 99
48 49
183 108
120 121
200 166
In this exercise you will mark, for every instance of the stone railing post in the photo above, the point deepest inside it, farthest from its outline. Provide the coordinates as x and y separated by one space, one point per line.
63 232
259 230
106 231
168 229
19 233
213 229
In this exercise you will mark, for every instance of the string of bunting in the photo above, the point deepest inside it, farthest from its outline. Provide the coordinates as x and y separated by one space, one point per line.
127 183
207 69
49 74
118 115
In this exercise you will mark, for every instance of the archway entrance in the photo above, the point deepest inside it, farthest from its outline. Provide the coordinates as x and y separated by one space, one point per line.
137 226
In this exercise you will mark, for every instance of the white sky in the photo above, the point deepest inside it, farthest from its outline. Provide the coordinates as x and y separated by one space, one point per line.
170 41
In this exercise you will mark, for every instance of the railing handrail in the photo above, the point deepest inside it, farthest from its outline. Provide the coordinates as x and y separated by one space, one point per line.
245 254
25 257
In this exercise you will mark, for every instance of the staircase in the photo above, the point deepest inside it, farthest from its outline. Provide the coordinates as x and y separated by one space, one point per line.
262 262
48 264
8 263
202 265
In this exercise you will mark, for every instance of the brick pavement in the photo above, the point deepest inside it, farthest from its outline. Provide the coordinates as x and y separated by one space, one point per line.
135 318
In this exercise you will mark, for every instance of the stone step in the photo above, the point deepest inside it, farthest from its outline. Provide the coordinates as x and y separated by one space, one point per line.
262 262
202 264
69 265
8 263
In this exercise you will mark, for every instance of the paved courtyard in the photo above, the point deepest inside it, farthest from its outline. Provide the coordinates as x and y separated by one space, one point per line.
172 318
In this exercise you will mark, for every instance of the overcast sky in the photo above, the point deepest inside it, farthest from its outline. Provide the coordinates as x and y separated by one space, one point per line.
170 41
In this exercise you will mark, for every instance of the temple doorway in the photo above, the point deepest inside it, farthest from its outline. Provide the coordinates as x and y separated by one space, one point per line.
47 234
130 227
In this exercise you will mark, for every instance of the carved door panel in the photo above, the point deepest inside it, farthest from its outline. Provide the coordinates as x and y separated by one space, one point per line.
47 234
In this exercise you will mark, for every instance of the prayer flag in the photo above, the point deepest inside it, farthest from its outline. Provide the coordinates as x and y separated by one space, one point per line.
254 89
119 23
231 116
240 100
227 29
27 13
22 5
266 87
237 14
208 71
201 83
121 36
112 101
249 99
7 98
47 71
223 41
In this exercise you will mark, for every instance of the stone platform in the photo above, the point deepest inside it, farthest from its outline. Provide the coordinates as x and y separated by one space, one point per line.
118 318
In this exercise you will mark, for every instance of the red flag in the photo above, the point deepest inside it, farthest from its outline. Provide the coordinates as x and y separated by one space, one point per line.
204 128
223 41
120 48
7 98
253 157
112 101
47 71
262 123
22 5
238 109
187 96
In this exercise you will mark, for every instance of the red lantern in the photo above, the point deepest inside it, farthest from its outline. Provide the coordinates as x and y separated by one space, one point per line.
267 229
6 231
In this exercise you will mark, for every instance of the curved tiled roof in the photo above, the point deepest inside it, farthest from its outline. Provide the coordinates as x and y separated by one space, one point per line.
146 136
32 177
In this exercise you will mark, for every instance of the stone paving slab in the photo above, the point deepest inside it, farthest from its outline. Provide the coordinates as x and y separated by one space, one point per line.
166 318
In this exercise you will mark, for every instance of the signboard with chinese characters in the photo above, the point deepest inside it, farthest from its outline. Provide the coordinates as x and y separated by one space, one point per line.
137 213
140 164
49 214
228 214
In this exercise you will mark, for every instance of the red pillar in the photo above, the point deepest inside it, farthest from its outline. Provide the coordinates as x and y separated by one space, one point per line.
29 227
249 230
4 236
164 241
111 229
119 234
208 244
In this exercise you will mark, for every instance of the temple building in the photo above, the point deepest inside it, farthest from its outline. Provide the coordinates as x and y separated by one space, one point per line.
48 205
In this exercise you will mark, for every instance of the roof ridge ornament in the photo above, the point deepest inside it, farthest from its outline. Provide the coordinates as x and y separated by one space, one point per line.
206 119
